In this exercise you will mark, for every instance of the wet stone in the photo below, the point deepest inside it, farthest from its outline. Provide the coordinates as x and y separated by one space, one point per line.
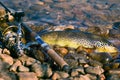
114 71
74 73
94 70
4 66
15 65
102 77
72 62
24 59
1 50
82 61
6 58
42 70
23 69
8 76
81 77
62 51
27 76
92 76
113 77
111 66
101 57
6 51
79 69
95 63
30 61
58 75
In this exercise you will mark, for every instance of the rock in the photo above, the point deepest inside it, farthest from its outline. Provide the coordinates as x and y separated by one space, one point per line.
15 66
7 76
81 77
94 70
101 57
40 3
102 77
27 76
79 69
84 77
114 71
1 50
6 51
6 58
41 70
111 66
58 75
62 51
22 68
74 73
73 63
30 61
82 61
4 66
95 63
91 76
26 60
113 77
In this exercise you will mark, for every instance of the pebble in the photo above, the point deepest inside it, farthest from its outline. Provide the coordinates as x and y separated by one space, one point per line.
73 63
82 61
7 76
26 76
42 70
94 70
59 74
74 73
6 51
114 71
113 77
95 63
14 67
62 51
79 69
1 50
101 57
22 68
91 76
30 61
6 58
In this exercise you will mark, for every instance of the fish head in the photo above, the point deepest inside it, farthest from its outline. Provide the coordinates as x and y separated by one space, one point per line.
112 50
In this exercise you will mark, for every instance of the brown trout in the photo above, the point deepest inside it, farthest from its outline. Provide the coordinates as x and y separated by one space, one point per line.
75 39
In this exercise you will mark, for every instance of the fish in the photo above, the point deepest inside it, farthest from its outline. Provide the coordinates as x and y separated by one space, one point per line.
75 39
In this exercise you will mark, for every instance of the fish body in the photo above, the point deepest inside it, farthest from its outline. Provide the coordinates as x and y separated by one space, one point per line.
75 39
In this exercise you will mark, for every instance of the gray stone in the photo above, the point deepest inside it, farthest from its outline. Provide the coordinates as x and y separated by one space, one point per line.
59 75
42 70
74 73
92 76
94 70
95 63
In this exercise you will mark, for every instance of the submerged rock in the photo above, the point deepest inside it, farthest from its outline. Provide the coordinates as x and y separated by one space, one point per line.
27 76
42 70
94 70
6 58
101 57
59 75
